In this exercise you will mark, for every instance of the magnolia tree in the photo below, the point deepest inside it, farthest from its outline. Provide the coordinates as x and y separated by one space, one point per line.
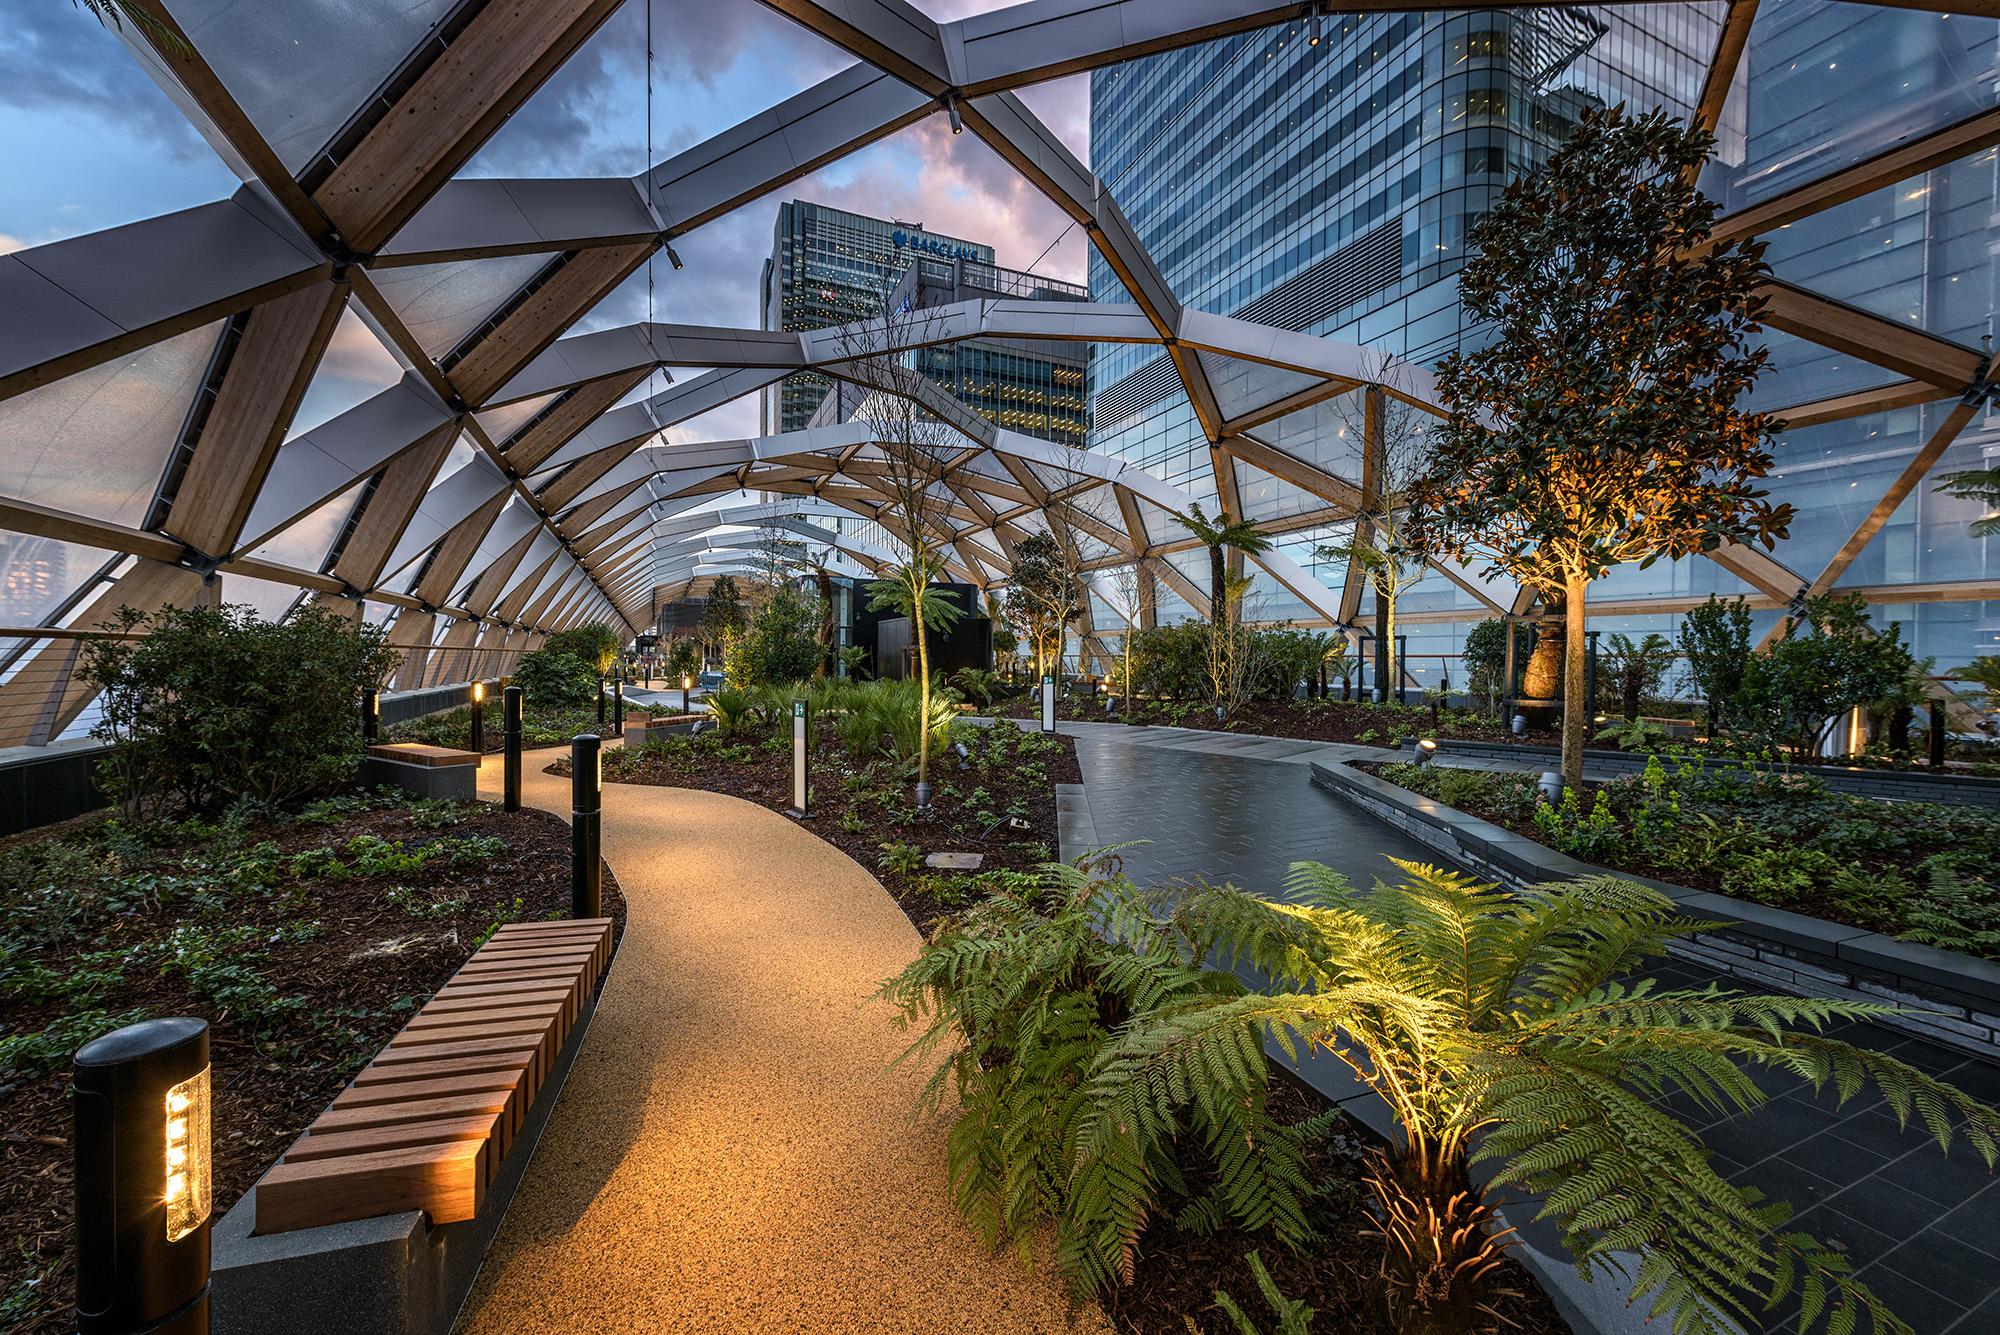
1599 425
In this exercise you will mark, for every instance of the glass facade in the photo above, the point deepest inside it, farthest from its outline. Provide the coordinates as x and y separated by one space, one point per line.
828 267
1329 189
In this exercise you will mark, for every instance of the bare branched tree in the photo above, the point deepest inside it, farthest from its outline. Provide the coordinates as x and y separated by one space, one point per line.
907 467
1385 550
1127 584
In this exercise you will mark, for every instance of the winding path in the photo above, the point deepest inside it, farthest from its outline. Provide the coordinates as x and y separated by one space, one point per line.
732 1151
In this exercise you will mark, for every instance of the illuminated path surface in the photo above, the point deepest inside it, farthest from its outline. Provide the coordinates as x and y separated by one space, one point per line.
731 1152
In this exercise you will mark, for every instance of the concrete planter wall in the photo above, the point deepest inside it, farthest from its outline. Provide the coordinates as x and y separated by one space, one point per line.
1958 996
1895 785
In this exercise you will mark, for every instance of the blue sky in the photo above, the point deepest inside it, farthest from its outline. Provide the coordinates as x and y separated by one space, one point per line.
88 141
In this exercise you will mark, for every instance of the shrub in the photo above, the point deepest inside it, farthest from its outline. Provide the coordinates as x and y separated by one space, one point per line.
782 644
555 678
213 705
1017 1002
595 645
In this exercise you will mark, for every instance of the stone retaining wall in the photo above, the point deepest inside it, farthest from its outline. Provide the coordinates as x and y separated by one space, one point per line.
1896 785
1958 996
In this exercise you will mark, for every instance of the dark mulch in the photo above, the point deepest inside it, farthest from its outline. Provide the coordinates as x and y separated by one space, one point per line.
1179 1272
858 809
291 1022
1329 720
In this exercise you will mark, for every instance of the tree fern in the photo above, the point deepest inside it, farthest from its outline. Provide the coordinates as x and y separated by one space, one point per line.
1500 1029
1015 1004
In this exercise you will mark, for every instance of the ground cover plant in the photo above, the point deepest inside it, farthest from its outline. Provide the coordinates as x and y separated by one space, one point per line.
1926 872
863 746
1019 1007
306 940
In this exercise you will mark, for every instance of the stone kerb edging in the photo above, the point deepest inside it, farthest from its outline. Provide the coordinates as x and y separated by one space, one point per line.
1897 785
1958 997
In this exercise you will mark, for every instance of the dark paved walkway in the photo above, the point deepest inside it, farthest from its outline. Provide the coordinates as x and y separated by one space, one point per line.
1922 1229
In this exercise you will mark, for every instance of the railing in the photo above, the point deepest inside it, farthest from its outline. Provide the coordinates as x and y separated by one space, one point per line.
45 695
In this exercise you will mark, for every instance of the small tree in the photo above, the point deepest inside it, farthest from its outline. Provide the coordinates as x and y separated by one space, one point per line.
1485 659
1977 484
1387 548
1637 668
1599 425
722 616
1822 668
683 658
1047 596
1715 640
908 466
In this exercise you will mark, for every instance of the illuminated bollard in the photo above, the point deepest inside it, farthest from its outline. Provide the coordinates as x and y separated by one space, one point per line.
1049 703
687 684
618 705
143 1182
478 718
371 715
510 749
586 802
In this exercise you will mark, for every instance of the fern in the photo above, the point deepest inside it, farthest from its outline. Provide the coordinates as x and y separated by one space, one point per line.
1500 1029
1014 1006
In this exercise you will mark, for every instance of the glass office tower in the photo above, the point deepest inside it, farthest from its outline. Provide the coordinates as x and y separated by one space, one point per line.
1329 188
828 267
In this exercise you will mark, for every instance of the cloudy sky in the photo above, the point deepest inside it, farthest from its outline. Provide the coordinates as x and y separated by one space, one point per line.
87 141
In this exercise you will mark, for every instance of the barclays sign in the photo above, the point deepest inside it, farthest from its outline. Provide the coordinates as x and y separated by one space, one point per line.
931 245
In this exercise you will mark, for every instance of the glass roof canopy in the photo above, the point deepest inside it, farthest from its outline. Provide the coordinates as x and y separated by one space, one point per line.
514 479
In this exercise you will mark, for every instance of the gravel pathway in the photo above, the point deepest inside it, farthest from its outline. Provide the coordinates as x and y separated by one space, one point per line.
732 1151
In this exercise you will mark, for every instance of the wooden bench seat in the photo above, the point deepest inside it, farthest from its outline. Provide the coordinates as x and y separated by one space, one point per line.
418 753
426 1125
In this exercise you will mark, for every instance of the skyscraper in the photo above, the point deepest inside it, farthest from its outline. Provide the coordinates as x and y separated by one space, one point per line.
827 267
1328 188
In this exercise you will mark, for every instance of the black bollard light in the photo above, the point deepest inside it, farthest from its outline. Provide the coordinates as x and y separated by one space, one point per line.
371 715
1402 669
510 749
687 684
1937 737
618 705
478 718
586 802
144 1186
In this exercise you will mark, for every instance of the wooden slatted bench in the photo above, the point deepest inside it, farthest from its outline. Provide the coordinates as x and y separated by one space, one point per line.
426 1124
427 771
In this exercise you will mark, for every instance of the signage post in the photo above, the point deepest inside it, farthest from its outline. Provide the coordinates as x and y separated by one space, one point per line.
1048 702
800 796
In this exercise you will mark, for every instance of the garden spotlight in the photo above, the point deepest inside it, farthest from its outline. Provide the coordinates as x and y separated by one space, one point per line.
1427 750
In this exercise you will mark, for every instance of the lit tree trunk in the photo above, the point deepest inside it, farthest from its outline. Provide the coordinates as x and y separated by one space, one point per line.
1395 677
1574 666
923 689
1217 612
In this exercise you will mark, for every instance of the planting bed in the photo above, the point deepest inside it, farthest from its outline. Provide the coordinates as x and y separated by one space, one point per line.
305 941
1179 1271
1328 720
1924 872
865 808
